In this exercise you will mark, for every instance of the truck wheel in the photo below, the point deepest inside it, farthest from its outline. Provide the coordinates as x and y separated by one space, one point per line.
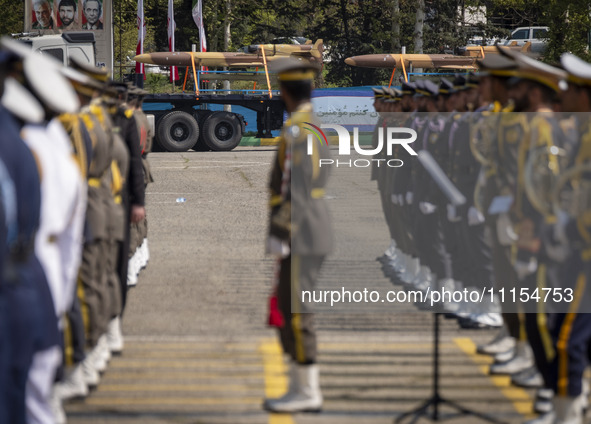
177 131
200 116
222 131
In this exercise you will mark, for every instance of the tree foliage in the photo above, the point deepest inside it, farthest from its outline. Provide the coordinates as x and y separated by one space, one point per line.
348 27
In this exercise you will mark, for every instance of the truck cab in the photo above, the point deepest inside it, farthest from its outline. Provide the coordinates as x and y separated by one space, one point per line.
79 45
535 35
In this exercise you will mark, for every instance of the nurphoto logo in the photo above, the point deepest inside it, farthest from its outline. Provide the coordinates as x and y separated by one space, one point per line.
345 145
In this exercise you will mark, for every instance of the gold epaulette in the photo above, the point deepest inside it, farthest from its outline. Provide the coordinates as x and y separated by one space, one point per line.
87 121
97 111
128 113
117 183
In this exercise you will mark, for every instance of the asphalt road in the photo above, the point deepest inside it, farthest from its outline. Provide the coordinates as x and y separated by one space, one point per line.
197 346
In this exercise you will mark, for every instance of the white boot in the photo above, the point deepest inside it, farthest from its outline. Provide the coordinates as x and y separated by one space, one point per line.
568 409
307 398
547 418
424 279
104 350
523 359
292 389
501 343
72 386
57 409
411 269
131 272
146 251
114 336
98 356
90 374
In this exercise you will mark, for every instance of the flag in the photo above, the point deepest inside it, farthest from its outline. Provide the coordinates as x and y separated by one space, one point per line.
141 33
174 72
198 18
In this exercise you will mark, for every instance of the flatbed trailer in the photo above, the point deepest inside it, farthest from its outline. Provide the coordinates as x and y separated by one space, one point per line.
189 125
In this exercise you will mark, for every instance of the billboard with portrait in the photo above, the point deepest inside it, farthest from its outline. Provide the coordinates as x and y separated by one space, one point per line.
42 15
60 16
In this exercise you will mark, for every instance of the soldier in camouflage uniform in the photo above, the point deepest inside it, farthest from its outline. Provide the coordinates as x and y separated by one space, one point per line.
299 234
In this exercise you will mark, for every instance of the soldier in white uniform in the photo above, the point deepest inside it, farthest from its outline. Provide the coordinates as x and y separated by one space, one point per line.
63 200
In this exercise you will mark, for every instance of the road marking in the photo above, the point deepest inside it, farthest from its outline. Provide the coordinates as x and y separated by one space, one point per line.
154 387
520 399
185 364
379 347
124 374
233 165
275 379
159 401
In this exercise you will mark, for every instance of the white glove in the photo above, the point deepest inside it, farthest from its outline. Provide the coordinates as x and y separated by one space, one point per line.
560 227
277 247
560 250
394 199
401 199
409 197
524 269
452 214
505 231
475 217
427 208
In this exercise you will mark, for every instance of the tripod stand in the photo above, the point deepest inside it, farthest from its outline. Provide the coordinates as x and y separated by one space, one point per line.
435 401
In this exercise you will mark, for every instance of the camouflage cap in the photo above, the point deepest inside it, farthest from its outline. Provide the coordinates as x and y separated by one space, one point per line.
100 74
496 65
292 69
534 70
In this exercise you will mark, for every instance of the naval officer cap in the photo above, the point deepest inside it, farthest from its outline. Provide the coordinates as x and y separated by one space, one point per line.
42 76
536 71
427 88
397 93
16 98
408 88
378 93
578 71
292 69
390 94
100 74
496 65
472 80
446 87
82 83
459 82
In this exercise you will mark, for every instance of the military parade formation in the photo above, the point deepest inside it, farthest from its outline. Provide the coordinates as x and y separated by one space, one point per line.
73 159
513 139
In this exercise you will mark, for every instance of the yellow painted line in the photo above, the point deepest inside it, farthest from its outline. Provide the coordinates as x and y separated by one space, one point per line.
275 379
141 354
175 387
159 401
520 399
139 363
269 141
133 374
375 347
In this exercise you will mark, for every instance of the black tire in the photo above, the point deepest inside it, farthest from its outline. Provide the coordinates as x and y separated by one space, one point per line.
201 115
222 131
177 131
